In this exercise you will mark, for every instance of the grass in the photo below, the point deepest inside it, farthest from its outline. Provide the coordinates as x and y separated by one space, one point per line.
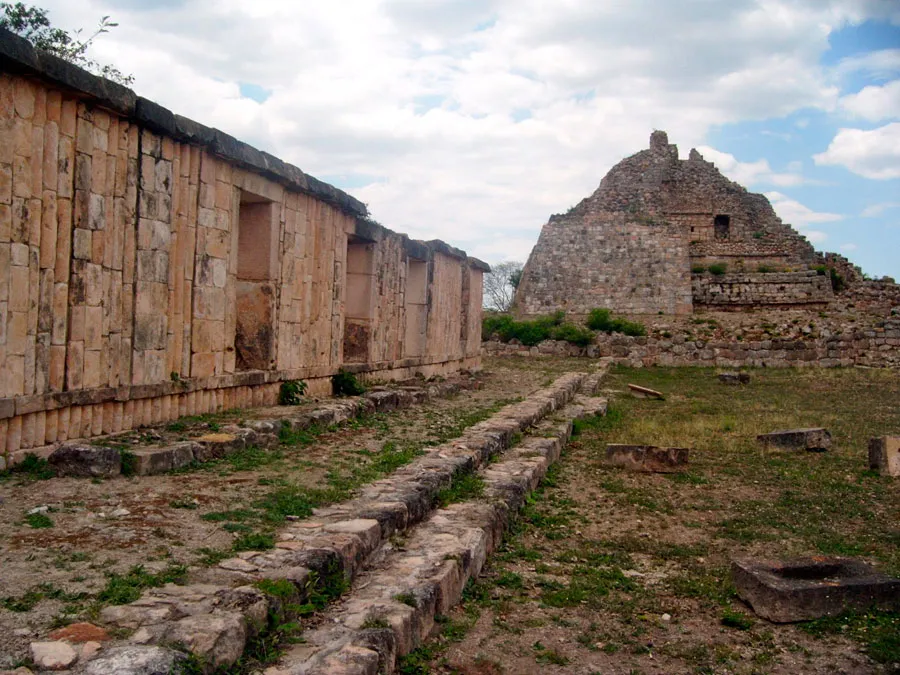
121 589
463 488
256 519
31 467
597 546
38 520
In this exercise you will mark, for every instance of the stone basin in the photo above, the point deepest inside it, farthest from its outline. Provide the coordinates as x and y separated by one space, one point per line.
803 589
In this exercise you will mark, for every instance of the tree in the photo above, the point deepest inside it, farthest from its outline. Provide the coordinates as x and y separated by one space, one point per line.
500 285
33 24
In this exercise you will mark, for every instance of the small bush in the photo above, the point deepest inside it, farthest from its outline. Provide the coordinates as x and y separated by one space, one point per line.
346 384
529 333
765 269
698 269
291 392
601 319
718 269
569 332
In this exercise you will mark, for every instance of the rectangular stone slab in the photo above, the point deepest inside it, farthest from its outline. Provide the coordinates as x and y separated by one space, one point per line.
815 439
884 455
810 588
647 458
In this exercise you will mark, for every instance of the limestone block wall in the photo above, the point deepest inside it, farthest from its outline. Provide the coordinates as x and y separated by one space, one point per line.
877 347
602 259
726 291
151 267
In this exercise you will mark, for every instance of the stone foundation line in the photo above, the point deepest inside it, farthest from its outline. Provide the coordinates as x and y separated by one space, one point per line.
221 609
81 459
393 608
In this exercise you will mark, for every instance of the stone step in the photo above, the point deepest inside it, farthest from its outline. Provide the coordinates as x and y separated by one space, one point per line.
393 606
223 607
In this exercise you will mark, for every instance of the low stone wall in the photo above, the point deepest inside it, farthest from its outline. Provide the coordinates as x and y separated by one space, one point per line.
876 347
781 289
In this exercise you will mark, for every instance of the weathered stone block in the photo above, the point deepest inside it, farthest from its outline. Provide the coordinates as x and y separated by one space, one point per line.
74 459
647 458
810 588
734 378
153 461
814 439
884 455
135 660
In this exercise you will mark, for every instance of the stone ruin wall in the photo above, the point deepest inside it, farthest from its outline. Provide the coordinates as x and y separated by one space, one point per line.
577 265
877 347
128 295
741 291
631 245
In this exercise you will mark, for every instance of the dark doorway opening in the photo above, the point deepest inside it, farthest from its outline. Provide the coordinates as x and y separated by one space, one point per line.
721 226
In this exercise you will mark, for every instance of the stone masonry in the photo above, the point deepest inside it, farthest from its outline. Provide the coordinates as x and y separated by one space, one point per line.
151 267
632 245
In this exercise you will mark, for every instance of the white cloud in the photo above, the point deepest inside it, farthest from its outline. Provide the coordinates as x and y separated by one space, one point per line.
880 64
874 103
800 216
751 173
424 97
848 248
872 154
876 210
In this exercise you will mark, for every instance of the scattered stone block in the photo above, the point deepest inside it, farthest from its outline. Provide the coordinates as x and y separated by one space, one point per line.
884 455
53 655
647 458
135 660
734 378
150 461
810 588
644 392
814 440
86 461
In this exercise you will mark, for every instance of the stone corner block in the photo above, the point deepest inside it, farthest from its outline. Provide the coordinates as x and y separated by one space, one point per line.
884 455
815 440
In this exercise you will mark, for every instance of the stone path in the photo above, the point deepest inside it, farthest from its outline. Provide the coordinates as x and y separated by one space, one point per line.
224 607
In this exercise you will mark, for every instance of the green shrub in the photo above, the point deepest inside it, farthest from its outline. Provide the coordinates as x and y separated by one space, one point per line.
346 384
577 335
765 269
291 392
601 319
632 328
718 268
530 333
698 269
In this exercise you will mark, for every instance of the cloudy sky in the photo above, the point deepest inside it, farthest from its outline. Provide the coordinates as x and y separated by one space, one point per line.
474 120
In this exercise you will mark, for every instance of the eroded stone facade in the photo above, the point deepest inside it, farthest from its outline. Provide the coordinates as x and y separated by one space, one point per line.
151 267
631 246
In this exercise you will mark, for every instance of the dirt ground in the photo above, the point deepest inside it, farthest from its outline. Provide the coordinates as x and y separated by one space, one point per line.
622 573
69 545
